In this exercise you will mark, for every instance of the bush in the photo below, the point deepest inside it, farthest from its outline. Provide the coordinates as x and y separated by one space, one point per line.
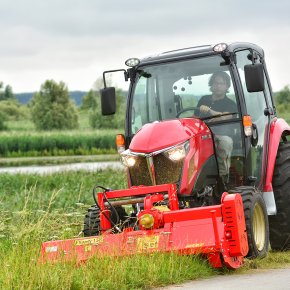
13 110
3 118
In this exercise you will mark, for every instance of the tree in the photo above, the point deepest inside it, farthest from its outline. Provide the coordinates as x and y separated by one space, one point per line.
99 82
92 103
52 108
283 97
6 93
116 121
89 101
283 100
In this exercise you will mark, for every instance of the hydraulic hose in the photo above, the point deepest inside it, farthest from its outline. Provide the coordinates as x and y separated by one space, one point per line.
110 205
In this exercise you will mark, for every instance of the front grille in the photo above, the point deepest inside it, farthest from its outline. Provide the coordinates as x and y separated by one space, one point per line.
139 172
166 171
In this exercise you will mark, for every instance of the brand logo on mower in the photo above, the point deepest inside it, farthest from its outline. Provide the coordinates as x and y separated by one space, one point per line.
93 241
197 245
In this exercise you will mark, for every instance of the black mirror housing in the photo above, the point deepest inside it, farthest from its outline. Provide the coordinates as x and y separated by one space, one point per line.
108 101
254 75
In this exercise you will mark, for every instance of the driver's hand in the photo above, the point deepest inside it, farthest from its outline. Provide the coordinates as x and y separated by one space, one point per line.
204 109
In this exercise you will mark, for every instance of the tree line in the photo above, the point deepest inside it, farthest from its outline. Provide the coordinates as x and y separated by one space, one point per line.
51 108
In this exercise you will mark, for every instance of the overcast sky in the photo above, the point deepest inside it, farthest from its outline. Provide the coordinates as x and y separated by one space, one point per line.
76 40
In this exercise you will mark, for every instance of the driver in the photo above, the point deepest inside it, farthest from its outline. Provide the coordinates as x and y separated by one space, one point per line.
217 104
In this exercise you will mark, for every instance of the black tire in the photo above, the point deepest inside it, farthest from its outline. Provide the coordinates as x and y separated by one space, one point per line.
92 226
280 223
256 221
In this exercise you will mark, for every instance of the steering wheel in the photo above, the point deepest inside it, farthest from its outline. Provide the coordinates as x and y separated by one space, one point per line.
186 109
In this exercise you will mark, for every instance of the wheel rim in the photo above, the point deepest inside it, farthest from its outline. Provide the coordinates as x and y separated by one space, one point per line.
259 227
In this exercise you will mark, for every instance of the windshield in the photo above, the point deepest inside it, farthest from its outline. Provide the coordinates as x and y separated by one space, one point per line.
162 91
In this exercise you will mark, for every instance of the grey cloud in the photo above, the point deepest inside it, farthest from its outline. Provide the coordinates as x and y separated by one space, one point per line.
99 18
62 36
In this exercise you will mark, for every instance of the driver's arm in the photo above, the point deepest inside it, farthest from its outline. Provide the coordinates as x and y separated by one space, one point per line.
207 110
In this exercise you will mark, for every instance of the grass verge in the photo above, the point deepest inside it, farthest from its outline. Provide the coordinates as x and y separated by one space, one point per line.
37 208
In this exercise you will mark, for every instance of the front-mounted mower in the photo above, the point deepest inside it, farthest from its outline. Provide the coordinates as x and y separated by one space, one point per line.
215 185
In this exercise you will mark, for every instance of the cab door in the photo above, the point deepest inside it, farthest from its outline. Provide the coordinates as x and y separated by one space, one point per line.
257 105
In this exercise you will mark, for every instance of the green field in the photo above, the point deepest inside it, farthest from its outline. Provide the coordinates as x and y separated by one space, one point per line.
57 143
22 140
36 208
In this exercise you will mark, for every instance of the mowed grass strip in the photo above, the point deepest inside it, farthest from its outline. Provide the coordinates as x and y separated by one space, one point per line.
37 208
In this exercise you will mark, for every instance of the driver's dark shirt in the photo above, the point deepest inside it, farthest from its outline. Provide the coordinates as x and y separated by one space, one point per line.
222 105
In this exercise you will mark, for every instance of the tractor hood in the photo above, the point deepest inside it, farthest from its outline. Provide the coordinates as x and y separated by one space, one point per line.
160 135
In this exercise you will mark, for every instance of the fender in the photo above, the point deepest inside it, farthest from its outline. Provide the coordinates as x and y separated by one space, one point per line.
277 128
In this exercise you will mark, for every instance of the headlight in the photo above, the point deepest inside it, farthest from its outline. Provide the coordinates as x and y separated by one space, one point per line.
132 62
178 152
127 159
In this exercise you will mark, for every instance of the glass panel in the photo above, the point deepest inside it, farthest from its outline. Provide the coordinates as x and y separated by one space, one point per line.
230 152
162 91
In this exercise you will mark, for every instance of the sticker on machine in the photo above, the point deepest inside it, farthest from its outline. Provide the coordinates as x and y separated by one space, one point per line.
147 243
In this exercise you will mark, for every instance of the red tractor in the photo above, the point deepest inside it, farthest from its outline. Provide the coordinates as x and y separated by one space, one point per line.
207 160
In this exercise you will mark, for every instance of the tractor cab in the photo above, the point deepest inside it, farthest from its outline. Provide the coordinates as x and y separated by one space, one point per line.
173 86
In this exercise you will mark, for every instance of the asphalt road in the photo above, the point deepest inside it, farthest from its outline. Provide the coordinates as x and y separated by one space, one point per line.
278 279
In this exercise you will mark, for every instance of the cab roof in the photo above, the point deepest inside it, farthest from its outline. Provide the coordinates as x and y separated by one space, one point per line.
199 51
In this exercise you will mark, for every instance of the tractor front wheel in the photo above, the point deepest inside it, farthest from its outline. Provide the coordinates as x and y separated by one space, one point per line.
256 222
92 226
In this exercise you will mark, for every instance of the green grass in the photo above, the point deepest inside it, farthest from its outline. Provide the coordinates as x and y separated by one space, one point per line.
35 208
71 187
22 140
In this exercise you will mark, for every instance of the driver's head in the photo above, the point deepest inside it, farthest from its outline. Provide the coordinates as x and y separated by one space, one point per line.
219 83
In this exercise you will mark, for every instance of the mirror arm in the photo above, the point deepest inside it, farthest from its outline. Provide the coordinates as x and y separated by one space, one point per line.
252 56
126 75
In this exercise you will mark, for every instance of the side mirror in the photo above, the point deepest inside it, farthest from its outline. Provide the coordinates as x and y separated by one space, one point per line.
254 75
108 101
